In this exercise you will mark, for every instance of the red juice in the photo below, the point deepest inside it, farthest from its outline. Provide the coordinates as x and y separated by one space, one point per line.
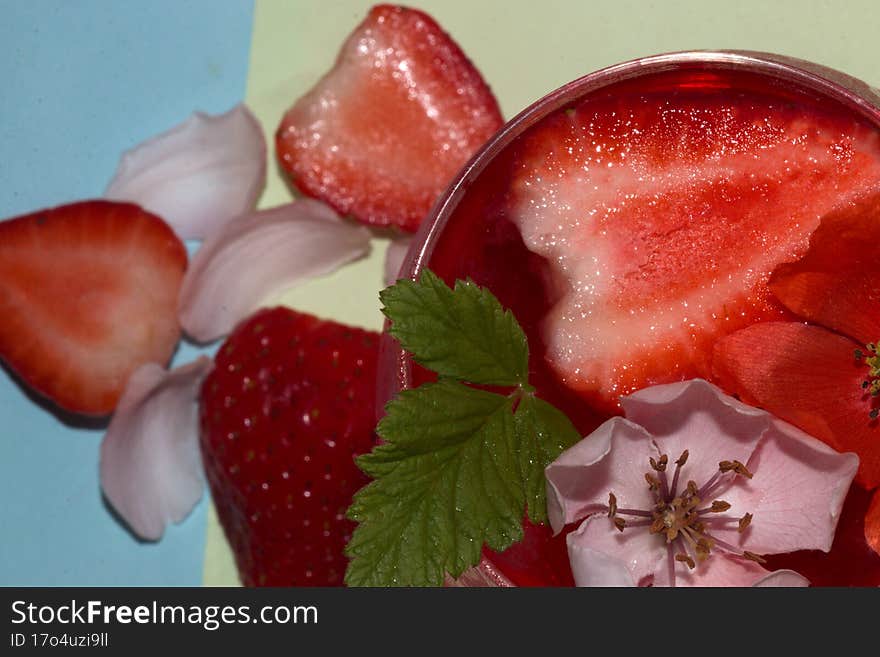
475 232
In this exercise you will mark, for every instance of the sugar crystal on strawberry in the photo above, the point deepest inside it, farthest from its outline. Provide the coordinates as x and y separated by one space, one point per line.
662 215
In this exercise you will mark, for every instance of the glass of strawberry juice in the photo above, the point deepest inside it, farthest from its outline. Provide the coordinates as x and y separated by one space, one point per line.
477 228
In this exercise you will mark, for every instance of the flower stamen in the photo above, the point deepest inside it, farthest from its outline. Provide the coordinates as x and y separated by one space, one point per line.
612 505
871 384
683 519
751 556
679 463
683 558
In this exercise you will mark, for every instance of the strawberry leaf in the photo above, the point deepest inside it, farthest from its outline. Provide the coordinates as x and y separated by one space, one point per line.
543 432
445 483
459 465
462 333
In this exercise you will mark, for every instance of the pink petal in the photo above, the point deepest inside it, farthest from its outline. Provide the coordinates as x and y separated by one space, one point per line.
151 468
611 459
721 570
696 416
782 578
258 254
394 257
198 175
795 496
600 555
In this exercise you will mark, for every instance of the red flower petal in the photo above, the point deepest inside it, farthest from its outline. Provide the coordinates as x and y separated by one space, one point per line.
835 283
872 524
808 376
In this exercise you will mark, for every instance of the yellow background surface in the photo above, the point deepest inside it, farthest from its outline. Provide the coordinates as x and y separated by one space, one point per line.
524 48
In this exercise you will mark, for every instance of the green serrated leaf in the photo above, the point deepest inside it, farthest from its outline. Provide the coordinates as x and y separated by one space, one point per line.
543 433
447 481
465 334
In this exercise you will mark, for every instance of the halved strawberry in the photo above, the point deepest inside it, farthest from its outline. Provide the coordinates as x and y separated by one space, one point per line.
288 406
663 216
88 293
381 135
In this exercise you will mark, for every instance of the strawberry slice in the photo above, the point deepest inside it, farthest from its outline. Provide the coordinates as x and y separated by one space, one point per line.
381 135
88 293
663 216
289 404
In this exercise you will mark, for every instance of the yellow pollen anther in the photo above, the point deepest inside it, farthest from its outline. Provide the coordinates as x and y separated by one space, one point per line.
751 556
683 458
735 466
681 557
612 505
871 385
719 506
744 522
653 482
620 523
659 466
704 547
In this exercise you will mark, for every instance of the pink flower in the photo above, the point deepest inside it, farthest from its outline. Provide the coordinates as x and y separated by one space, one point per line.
691 488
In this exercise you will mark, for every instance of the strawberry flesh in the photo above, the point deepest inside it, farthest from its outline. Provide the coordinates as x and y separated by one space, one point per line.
288 406
88 293
382 134
663 216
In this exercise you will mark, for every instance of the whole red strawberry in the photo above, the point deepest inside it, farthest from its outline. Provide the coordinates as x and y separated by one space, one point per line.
288 406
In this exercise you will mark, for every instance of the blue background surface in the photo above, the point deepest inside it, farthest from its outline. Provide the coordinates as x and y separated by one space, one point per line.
83 81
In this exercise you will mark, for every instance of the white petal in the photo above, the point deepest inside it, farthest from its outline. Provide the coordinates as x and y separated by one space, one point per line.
795 496
394 257
256 255
717 571
151 467
600 555
614 459
696 416
198 175
782 578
